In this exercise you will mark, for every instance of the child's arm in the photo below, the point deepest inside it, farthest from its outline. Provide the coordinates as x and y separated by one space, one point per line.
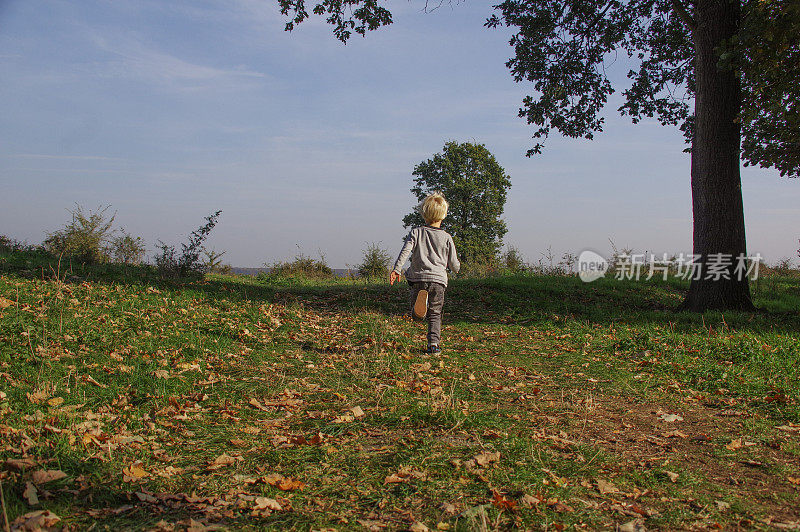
408 247
452 257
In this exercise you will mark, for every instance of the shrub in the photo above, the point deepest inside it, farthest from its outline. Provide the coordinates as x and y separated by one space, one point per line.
480 267
302 267
512 261
127 249
213 262
172 265
85 238
8 245
375 263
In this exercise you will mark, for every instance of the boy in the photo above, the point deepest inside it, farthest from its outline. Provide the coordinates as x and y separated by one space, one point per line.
432 251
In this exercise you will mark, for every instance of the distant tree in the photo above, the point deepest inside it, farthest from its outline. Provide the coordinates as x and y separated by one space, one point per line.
738 60
475 186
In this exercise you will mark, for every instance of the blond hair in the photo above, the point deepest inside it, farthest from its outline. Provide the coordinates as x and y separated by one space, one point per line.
433 208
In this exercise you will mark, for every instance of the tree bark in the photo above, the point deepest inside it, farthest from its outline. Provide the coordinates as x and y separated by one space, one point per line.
716 182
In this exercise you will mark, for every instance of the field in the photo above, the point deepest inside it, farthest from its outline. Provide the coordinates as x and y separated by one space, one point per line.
127 402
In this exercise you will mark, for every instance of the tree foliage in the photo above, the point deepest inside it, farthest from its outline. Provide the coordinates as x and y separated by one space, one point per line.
475 186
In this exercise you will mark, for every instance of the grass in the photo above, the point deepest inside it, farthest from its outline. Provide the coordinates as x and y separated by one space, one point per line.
252 404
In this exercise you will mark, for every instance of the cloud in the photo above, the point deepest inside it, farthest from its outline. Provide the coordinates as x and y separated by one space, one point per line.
133 59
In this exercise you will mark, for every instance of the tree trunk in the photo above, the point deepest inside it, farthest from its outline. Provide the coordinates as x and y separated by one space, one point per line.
716 182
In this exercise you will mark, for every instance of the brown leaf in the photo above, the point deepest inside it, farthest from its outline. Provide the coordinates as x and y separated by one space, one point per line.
503 502
675 434
265 503
31 494
221 461
45 476
357 411
485 458
38 520
283 483
673 477
529 501
55 401
637 525
605 487
134 472
18 464
256 403
37 396
5 303
394 478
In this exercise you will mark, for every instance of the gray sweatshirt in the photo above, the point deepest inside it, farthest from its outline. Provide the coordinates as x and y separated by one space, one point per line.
432 251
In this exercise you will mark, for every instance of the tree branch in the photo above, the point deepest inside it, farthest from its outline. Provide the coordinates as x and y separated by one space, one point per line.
684 15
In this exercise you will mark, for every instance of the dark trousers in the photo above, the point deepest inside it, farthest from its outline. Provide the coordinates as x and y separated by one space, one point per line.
435 304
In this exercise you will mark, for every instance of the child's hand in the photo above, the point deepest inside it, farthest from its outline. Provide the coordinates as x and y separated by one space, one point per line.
394 276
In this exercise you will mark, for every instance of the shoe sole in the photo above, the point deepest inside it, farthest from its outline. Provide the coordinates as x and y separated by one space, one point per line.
421 305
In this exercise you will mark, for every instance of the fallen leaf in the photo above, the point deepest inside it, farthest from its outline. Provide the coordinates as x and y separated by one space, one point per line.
605 487
31 494
418 527
221 461
37 396
265 503
394 478
675 434
256 403
734 444
161 374
673 477
503 502
133 473
38 520
722 506
45 476
5 303
19 464
485 458
357 411
145 497
637 525
670 418
55 401
531 500
283 483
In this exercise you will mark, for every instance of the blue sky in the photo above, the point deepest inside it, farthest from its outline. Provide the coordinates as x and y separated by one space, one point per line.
169 111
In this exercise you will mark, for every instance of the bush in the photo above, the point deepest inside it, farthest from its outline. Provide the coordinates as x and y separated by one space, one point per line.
172 265
512 261
375 263
127 249
302 267
480 267
8 245
213 262
86 238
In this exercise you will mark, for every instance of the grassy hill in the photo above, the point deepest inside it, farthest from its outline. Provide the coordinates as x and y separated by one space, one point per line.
127 402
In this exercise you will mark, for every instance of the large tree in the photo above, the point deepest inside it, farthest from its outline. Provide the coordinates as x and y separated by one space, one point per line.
475 185
718 54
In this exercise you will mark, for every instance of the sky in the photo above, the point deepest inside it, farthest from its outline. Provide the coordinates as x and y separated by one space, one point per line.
169 111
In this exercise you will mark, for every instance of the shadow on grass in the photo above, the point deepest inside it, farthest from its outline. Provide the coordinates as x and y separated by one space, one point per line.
526 300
